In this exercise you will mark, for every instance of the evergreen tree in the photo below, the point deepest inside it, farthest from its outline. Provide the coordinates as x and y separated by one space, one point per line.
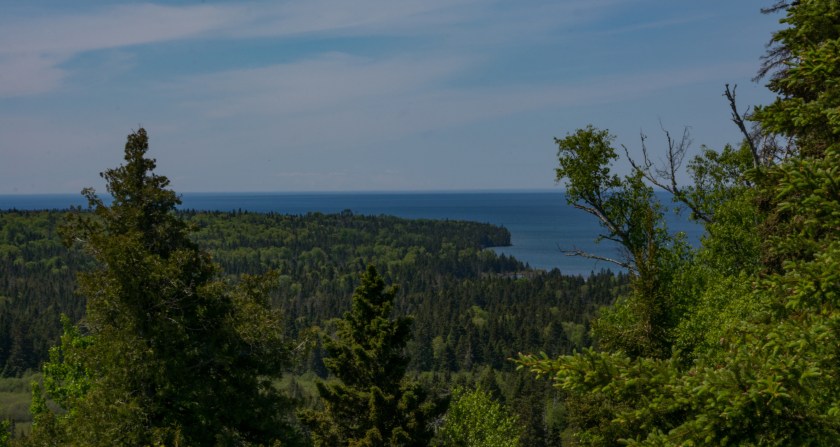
757 338
371 403
803 64
169 354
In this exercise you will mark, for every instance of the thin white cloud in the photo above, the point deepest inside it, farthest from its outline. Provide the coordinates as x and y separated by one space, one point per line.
657 24
31 50
315 85
337 100
357 17
29 74
111 28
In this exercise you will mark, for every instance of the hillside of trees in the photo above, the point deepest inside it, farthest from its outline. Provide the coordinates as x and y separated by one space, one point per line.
472 310
481 308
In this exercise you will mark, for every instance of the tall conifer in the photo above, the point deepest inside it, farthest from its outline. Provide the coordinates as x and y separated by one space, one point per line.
371 403
169 354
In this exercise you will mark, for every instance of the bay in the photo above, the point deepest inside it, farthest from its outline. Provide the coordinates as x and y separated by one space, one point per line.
541 224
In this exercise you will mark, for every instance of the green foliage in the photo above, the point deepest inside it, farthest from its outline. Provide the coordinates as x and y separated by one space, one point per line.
371 403
474 419
625 207
171 353
5 433
717 177
65 376
15 400
630 215
756 342
37 279
447 280
805 66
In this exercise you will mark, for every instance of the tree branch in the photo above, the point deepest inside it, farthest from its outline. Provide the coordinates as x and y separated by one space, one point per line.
666 177
739 121
584 254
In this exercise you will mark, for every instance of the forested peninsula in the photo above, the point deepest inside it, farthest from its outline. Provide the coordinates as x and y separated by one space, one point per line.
235 329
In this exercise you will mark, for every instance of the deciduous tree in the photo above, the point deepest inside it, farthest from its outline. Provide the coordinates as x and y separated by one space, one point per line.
474 419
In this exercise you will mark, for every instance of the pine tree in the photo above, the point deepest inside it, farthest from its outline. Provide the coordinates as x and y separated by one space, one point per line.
168 353
370 403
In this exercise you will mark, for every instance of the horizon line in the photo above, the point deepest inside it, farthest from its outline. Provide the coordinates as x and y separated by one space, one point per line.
353 191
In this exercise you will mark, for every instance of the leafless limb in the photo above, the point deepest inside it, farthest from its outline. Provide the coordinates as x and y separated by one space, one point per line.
665 175
601 215
777 55
616 231
738 119
776 60
779 5
578 252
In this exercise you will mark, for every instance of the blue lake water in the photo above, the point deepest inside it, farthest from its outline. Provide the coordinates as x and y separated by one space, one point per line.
540 222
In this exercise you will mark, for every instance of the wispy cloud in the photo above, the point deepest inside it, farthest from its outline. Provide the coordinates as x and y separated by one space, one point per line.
339 99
32 50
658 24
333 93
112 27
319 84
28 74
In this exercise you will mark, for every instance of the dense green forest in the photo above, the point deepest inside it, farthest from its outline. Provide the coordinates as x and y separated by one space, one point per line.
472 309
472 306
195 328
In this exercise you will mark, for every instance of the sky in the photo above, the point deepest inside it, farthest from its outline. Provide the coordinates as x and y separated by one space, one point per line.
363 95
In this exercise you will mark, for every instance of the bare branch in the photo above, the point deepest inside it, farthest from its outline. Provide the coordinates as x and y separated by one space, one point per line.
665 177
583 254
739 121
599 213
779 5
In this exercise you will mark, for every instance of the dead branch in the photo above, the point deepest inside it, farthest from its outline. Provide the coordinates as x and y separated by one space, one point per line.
738 119
665 176
578 252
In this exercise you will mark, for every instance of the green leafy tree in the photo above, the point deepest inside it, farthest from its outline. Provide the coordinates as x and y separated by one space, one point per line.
169 354
756 348
474 419
371 403
631 216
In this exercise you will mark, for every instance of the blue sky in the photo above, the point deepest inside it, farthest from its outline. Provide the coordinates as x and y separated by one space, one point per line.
339 95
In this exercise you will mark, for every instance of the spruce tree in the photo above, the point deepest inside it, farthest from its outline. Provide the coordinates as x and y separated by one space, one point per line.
370 402
169 354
